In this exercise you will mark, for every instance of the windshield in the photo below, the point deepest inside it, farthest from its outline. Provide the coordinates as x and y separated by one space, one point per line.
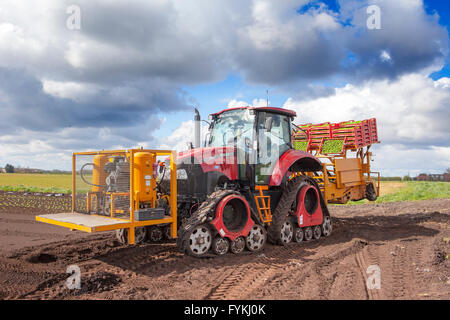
231 127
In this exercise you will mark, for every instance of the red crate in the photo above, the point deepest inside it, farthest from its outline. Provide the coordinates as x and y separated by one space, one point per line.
356 134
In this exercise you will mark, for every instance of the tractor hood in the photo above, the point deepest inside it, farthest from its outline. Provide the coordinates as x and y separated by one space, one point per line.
207 156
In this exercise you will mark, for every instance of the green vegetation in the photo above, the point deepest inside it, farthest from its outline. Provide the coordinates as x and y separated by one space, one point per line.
332 146
413 191
9 168
41 182
23 188
301 145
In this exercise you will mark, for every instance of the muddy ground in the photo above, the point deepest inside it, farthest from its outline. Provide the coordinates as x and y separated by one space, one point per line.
408 241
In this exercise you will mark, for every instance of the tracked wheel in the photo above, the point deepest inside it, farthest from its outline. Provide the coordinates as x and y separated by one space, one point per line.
220 246
199 217
238 245
326 226
140 235
166 232
308 231
199 240
298 235
287 232
256 238
317 232
285 207
155 233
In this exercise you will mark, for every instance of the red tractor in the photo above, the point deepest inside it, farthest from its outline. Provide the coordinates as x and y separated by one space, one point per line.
247 185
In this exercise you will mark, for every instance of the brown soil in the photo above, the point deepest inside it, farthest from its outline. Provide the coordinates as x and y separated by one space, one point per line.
409 242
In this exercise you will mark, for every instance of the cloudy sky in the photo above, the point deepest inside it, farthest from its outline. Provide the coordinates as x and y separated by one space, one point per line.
131 71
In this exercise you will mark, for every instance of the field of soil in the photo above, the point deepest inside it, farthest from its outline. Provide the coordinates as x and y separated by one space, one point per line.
409 241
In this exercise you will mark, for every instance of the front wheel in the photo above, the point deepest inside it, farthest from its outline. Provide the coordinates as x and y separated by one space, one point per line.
199 241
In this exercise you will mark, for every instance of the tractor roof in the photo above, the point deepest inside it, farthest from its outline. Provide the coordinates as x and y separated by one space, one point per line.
264 109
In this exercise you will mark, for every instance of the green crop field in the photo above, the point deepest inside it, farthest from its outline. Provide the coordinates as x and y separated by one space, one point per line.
35 182
411 191
62 183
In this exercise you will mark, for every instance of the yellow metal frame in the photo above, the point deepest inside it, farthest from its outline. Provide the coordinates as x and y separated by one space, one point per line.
130 224
334 191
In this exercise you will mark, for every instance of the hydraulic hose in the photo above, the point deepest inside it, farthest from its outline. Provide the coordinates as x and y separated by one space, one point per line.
85 181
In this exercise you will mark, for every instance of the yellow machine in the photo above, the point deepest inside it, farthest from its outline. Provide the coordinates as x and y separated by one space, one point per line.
122 195
344 150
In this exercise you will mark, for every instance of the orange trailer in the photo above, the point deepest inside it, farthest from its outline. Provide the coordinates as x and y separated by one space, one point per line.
344 149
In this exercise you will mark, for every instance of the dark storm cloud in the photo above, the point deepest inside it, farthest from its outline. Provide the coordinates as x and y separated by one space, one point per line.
410 40
318 60
24 104
132 57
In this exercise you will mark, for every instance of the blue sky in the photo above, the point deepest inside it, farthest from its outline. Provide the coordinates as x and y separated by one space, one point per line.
210 97
131 72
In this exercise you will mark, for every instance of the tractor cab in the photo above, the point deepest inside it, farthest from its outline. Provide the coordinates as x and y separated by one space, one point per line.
260 135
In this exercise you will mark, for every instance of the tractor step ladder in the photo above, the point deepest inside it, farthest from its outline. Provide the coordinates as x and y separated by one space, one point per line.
263 204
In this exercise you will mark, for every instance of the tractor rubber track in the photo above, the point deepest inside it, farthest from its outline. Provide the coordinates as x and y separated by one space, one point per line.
283 209
200 216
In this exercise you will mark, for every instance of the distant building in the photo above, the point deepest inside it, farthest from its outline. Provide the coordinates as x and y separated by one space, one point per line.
27 170
433 177
422 177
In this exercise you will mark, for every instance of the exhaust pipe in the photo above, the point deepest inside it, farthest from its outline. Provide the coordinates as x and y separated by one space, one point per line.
197 129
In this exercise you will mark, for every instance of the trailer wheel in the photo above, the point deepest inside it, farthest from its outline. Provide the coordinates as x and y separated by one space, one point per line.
220 245
371 195
122 236
326 226
140 235
238 245
155 233
308 231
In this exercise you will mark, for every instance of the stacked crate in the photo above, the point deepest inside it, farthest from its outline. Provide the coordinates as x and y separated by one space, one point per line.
353 134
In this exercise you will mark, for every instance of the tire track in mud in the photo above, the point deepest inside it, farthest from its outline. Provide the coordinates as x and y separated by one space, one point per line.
363 265
282 273
330 268
246 279
240 282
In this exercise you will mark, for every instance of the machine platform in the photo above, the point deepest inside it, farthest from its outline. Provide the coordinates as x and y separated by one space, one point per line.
94 223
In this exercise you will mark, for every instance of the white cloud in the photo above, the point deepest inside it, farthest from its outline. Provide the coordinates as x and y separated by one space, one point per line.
84 89
411 110
257 103
412 113
385 56
399 160
71 90
181 136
